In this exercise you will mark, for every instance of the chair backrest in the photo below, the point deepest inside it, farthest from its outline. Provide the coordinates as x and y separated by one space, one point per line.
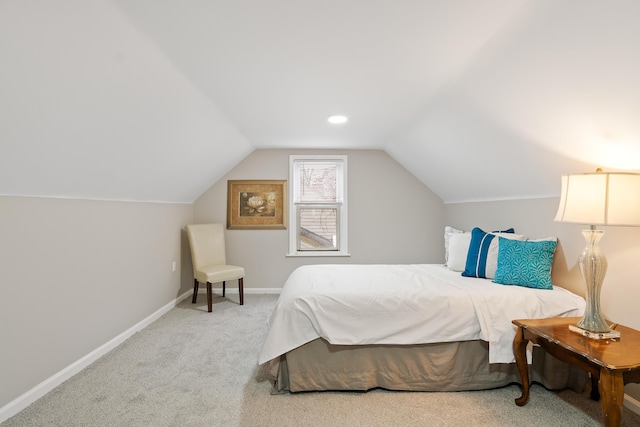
207 245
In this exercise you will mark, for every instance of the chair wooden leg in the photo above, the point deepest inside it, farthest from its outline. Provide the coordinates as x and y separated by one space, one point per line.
209 297
223 288
195 291
241 290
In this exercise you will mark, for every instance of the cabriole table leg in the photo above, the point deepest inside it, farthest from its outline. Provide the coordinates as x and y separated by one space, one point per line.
520 352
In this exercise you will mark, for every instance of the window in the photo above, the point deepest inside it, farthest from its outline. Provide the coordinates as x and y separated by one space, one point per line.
318 205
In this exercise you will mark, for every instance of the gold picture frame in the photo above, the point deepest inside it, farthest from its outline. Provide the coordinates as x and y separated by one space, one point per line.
256 204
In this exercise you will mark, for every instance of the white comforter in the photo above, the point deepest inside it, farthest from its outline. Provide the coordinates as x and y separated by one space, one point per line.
405 304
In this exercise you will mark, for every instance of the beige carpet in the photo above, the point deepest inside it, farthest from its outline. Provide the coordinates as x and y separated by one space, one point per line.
192 368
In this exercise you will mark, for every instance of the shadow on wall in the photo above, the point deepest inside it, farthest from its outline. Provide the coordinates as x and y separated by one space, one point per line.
186 268
568 278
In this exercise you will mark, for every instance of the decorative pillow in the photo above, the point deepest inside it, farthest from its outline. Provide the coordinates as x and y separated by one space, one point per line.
458 249
482 258
525 263
448 232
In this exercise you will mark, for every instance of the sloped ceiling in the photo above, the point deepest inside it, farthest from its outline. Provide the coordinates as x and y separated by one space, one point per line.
157 100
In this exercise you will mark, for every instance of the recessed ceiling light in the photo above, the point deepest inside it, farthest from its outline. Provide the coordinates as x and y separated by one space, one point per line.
337 119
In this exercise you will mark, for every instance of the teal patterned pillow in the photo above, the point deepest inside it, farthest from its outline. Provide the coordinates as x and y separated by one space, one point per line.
525 263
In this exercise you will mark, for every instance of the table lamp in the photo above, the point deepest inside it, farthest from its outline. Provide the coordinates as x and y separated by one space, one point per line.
600 198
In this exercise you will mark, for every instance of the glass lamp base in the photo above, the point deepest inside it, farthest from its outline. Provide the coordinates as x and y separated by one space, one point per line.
595 335
593 266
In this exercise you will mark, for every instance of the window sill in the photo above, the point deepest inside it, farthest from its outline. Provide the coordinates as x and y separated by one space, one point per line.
317 254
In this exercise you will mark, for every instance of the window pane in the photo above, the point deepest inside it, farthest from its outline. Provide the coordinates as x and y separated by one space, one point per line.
318 181
318 229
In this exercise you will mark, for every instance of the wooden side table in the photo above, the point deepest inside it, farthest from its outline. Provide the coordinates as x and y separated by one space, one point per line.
611 363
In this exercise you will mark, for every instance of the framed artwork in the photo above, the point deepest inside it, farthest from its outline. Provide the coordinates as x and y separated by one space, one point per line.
256 204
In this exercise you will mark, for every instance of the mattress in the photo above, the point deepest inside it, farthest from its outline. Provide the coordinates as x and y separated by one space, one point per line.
404 305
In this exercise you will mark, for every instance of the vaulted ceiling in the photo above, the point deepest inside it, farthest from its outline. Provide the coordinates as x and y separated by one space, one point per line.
157 100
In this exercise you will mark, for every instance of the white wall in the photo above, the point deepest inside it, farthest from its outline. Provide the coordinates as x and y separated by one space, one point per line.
74 274
393 217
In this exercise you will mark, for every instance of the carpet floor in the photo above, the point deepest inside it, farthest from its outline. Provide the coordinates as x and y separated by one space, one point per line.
193 368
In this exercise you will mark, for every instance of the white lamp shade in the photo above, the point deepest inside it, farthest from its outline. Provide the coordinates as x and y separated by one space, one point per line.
600 198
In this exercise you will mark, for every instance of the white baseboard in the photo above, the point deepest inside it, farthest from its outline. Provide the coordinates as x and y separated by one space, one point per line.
202 289
270 291
15 406
632 404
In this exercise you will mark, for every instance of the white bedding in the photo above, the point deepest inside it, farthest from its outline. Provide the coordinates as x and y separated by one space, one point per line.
405 304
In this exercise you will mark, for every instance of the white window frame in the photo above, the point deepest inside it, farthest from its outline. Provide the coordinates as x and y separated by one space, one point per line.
341 203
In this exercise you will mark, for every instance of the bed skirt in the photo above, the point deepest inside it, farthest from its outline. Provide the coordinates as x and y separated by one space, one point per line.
455 366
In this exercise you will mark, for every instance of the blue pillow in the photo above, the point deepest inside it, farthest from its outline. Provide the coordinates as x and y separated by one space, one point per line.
525 263
482 257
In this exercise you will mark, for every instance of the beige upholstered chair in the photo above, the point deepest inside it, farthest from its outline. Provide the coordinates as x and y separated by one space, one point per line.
209 260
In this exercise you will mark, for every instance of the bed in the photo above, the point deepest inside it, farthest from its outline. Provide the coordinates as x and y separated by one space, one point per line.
418 327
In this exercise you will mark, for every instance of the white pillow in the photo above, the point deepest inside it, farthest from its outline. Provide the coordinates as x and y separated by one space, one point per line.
458 249
448 232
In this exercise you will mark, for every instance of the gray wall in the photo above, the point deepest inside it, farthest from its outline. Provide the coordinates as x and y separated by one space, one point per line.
534 218
393 217
74 274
